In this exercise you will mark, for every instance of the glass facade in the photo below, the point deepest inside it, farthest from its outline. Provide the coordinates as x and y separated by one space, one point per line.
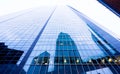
56 40
113 5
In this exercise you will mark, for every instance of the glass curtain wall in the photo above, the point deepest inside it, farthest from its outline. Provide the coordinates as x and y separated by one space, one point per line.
55 41
91 51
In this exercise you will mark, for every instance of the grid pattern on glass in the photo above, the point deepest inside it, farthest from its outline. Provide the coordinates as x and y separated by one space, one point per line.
9 56
91 53
67 45
19 32
103 39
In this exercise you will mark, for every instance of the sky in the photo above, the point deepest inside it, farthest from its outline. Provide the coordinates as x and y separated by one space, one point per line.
91 8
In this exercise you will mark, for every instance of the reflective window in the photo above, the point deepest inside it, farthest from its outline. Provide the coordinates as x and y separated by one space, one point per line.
48 41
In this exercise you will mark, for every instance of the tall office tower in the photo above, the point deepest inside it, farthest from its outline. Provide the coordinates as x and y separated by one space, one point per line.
113 5
57 40
40 62
67 56
9 58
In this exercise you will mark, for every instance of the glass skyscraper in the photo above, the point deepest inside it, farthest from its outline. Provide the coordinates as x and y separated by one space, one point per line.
56 40
113 5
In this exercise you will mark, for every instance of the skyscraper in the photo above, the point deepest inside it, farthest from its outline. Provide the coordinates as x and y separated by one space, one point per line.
66 55
40 63
58 40
113 5
9 58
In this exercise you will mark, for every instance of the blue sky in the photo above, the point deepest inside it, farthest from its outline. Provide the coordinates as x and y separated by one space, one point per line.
91 8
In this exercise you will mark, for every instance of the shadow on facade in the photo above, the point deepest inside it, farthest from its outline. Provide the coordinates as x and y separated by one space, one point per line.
8 59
